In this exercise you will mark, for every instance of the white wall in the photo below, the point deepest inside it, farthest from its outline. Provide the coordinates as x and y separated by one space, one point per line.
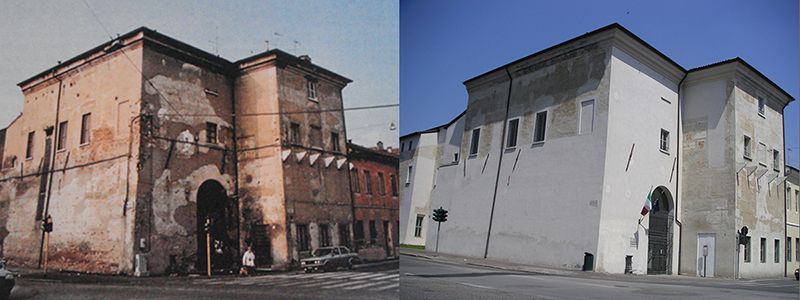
415 196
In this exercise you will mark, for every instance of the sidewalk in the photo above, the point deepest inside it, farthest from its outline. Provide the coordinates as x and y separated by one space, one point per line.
508 266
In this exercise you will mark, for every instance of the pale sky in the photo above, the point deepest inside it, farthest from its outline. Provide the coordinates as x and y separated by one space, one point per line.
357 39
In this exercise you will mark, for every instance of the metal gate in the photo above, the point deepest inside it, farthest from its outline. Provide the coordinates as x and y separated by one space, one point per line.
659 250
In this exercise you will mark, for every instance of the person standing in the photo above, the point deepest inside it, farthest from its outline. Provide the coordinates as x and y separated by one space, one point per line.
249 261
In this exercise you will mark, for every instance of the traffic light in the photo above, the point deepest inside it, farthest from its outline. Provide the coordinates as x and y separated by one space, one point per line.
47 225
743 235
440 214
207 226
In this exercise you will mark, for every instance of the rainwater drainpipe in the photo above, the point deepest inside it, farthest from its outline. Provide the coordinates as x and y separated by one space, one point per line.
54 144
235 159
499 162
678 171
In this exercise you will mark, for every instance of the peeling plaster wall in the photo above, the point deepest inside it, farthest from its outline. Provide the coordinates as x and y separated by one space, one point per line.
87 202
759 203
415 195
636 115
260 168
315 194
177 157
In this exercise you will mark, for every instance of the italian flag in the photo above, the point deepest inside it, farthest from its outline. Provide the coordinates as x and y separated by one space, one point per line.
648 203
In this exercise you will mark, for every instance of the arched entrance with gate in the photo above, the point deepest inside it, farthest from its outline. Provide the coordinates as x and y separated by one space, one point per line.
213 203
660 229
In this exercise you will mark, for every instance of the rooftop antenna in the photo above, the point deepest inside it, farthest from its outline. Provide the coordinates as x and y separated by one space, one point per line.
215 42
267 42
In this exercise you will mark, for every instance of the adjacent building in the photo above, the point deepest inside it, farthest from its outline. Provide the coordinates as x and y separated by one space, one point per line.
375 201
792 220
133 145
561 150
421 155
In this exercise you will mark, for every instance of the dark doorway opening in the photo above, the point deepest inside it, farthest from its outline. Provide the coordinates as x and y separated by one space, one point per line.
659 250
261 245
213 203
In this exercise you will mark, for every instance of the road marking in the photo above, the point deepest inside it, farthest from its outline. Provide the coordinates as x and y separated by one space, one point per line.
383 288
358 287
368 276
386 277
342 284
477 286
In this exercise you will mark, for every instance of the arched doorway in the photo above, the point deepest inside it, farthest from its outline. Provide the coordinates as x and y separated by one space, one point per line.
213 203
659 250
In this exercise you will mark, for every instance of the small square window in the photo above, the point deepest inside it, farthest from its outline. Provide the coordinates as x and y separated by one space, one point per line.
540 129
211 133
664 144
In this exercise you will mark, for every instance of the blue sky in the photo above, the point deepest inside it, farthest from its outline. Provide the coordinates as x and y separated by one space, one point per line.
443 43
357 39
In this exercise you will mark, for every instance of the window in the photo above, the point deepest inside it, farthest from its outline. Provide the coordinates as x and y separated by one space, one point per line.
316 136
664 145
408 176
513 127
356 184
455 157
788 249
86 127
211 133
788 199
587 117
344 235
294 136
367 182
761 104
797 200
410 144
394 184
335 142
402 146
777 250
381 184
747 250
302 237
762 154
62 136
763 249
373 232
29 147
473 145
312 89
324 235
796 249
776 160
540 129
418 226
359 231
748 148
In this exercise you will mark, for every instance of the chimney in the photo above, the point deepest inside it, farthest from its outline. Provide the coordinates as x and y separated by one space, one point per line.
305 58
380 145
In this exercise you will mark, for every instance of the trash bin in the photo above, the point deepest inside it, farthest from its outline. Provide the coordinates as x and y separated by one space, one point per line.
588 261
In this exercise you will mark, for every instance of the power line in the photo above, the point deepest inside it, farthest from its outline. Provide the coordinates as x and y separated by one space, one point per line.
291 112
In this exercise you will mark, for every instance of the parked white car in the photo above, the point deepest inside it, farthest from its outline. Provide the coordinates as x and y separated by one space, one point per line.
330 259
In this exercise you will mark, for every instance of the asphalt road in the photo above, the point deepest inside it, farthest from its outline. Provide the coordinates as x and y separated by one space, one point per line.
422 278
381 282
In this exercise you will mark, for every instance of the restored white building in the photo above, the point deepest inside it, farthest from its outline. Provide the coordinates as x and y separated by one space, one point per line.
560 149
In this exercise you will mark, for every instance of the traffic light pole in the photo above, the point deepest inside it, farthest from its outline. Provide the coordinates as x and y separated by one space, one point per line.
437 236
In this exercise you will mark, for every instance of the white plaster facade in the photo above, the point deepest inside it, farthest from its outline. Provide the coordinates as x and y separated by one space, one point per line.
607 96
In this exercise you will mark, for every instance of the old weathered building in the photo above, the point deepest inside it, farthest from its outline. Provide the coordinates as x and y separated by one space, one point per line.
375 201
560 149
792 219
421 155
133 145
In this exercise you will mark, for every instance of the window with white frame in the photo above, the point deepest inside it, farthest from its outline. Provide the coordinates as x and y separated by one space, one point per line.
513 128
540 127
761 105
587 117
473 145
311 86
408 175
748 148
664 141
418 226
